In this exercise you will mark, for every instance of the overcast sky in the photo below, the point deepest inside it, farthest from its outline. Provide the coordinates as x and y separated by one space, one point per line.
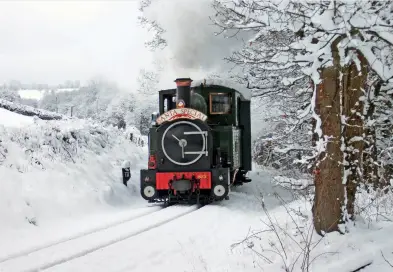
52 41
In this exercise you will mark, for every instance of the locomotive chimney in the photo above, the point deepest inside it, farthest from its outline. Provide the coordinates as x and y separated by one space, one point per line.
183 92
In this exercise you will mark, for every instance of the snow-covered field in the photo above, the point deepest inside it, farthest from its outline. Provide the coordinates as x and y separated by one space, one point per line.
31 94
63 207
39 94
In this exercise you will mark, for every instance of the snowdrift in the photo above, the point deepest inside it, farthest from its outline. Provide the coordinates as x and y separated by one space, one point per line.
64 168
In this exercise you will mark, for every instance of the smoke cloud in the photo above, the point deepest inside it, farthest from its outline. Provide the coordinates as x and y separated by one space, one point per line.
193 49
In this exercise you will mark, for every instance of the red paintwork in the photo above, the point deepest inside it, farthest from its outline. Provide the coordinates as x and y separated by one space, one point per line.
184 82
162 179
152 162
181 115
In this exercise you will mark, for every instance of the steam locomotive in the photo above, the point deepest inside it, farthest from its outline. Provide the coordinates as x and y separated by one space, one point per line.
199 143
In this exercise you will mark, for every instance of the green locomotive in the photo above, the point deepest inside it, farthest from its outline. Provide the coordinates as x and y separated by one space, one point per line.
199 143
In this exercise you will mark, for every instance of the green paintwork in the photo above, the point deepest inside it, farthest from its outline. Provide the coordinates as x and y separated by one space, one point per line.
198 102
231 132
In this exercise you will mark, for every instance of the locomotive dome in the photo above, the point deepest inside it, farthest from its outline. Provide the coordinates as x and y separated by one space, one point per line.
198 102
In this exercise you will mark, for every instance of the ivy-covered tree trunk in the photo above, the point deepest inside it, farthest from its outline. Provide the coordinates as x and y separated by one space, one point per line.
329 190
385 131
315 136
340 167
370 155
353 86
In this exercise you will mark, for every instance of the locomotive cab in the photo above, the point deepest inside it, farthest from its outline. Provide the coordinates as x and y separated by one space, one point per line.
199 144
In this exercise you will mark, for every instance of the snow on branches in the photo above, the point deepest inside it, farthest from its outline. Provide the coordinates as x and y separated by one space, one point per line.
334 44
157 41
30 111
311 28
292 42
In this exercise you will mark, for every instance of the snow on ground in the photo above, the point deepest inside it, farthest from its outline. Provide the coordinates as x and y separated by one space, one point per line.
9 118
64 176
60 179
39 94
29 111
214 239
31 94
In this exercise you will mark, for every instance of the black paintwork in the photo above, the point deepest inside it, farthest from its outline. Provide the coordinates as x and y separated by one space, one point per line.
226 145
183 93
245 125
194 143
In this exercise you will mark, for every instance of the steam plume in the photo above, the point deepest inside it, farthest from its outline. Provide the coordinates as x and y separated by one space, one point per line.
192 48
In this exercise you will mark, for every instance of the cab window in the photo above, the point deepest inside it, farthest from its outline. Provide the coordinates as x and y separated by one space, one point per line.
220 103
169 102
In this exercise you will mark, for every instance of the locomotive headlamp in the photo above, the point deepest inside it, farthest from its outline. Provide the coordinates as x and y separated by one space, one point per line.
180 104
220 177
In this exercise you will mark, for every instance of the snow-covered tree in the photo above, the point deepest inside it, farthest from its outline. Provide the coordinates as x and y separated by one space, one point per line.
10 95
157 41
121 108
90 101
147 99
334 44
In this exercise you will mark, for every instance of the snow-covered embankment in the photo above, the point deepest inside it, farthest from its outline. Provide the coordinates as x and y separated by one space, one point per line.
62 171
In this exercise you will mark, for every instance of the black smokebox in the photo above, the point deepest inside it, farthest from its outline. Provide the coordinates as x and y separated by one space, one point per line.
183 93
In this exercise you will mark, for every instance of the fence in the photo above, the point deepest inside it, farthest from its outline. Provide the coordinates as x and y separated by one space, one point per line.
137 140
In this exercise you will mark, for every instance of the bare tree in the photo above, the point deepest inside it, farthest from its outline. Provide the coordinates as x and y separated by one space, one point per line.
157 42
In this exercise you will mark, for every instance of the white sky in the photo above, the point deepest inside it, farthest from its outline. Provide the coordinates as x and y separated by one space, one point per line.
52 41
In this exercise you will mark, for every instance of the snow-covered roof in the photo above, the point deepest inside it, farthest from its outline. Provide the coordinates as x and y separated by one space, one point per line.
246 93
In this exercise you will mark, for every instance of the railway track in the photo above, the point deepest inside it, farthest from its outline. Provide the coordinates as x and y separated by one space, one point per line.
152 209
63 251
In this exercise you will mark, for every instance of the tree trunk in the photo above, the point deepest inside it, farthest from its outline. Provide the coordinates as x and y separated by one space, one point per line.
314 138
353 84
338 97
329 190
